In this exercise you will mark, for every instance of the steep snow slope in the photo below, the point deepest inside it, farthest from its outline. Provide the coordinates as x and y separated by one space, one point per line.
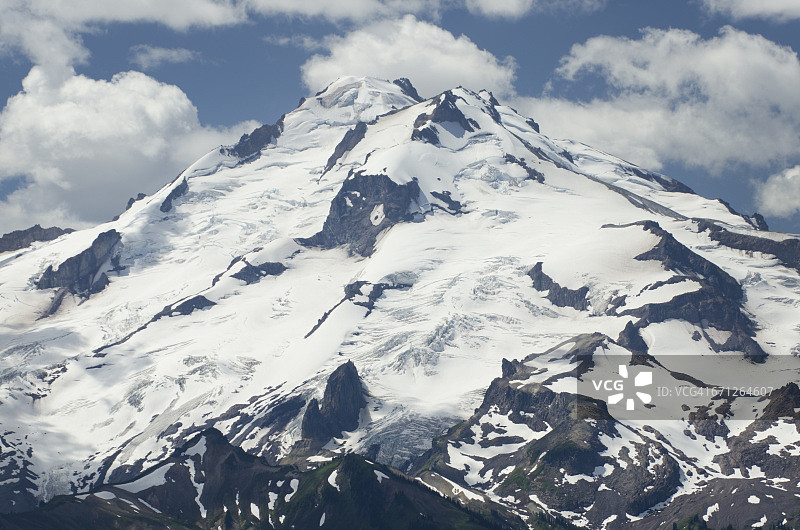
403 235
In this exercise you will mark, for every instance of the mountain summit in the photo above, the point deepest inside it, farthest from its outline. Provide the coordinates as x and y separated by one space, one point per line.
433 284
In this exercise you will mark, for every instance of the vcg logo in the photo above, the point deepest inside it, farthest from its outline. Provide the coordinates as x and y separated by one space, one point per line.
622 388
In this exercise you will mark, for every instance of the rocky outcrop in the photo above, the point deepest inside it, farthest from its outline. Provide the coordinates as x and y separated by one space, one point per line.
426 134
558 295
183 308
133 200
250 145
19 239
786 250
187 307
562 461
340 408
253 273
17 494
365 294
364 206
756 220
407 88
759 222
446 110
717 303
209 483
453 206
631 339
360 293
533 174
667 183
783 403
773 453
177 191
81 274
348 142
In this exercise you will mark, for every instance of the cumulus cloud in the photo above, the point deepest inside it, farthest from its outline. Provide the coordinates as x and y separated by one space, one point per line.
81 146
672 96
779 195
48 31
304 42
85 140
776 10
519 8
147 57
433 58
357 10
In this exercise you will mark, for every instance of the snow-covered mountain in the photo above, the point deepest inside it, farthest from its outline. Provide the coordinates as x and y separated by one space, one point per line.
433 284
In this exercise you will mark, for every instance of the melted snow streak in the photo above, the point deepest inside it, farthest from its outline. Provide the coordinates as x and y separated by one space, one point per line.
403 232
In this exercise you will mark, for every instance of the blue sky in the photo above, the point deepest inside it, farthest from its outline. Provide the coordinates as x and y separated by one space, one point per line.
102 100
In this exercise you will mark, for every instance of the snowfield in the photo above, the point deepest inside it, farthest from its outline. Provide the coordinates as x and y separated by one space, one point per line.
111 384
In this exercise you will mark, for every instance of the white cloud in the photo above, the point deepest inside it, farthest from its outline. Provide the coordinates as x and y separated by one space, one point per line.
176 14
779 195
777 10
147 57
305 42
520 8
82 142
433 58
85 145
495 9
673 96
357 10
48 31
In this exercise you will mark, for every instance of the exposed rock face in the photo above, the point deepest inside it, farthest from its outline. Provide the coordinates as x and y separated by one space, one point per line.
364 206
253 273
717 303
759 222
23 238
783 403
447 111
16 495
407 88
426 134
366 294
735 507
361 293
756 220
348 142
209 483
78 274
533 124
186 307
787 251
665 182
558 447
560 296
341 406
453 206
133 200
251 144
581 354
176 192
755 447
444 111
533 174
631 339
